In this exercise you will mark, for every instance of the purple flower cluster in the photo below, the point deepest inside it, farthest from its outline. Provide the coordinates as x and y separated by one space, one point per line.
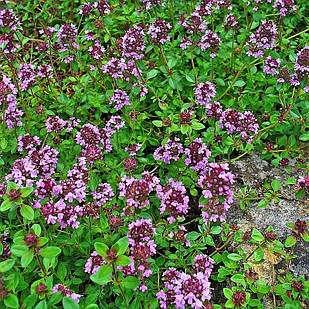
271 65
133 149
230 22
211 42
263 39
6 250
55 124
136 191
301 66
285 7
258 3
142 247
214 111
96 51
28 142
180 236
184 290
205 92
215 181
9 20
26 76
8 99
94 263
153 3
65 291
95 140
170 151
173 200
115 67
119 99
103 194
197 155
303 183
133 43
143 90
235 122
158 32
37 162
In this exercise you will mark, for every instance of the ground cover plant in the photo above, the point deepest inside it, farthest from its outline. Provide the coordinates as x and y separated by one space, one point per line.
119 124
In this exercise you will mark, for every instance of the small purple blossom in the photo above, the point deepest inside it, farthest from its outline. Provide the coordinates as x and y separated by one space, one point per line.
197 155
65 291
215 181
119 99
210 42
285 7
271 65
26 76
205 92
245 124
103 194
158 32
171 150
263 39
173 200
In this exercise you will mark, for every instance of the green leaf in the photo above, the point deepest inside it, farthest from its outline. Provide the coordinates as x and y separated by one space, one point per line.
30 300
227 293
197 126
6 265
61 271
19 250
279 289
69 303
26 191
234 257
101 248
216 230
238 278
3 143
121 245
254 302
305 236
50 252
262 287
36 229
190 78
27 212
92 306
275 184
11 301
41 305
123 260
304 137
258 254
26 258
257 235
239 83
130 282
192 235
157 123
6 205
290 241
103 275
290 181
151 74
55 299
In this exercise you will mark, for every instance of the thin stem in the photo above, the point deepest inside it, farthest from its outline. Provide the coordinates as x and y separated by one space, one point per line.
233 82
119 286
193 66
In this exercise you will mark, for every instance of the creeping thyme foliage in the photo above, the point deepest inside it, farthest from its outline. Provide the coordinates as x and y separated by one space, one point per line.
121 122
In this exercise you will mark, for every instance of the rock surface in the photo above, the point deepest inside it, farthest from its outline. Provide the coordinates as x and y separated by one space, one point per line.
253 171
